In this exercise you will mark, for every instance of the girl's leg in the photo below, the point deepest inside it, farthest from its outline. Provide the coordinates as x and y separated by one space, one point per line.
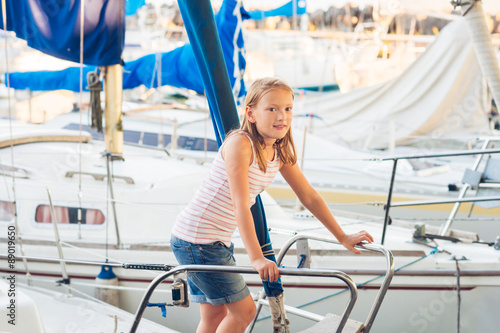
239 316
211 316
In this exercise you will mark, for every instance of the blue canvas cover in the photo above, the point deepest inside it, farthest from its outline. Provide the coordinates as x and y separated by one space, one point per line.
68 79
132 6
202 32
53 27
178 67
286 10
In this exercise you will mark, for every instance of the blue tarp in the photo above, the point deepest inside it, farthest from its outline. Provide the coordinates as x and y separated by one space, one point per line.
200 26
53 27
179 67
286 10
68 79
132 6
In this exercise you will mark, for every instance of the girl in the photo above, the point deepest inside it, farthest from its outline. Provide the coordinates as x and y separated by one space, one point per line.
245 165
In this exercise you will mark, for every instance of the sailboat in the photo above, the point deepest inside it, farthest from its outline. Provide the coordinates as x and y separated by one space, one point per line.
39 310
430 102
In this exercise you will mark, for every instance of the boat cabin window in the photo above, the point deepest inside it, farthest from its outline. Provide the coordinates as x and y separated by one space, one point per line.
69 215
151 139
7 210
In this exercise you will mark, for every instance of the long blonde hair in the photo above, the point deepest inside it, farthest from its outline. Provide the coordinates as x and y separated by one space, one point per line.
285 146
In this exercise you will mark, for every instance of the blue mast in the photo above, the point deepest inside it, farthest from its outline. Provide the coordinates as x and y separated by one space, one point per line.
202 32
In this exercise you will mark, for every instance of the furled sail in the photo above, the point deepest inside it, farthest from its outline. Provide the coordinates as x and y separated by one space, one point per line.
442 94
178 67
291 8
53 27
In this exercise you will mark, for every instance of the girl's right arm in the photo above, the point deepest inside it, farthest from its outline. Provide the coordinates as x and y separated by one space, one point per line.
237 154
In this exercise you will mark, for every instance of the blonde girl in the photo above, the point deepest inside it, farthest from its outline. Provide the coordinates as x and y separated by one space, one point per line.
246 164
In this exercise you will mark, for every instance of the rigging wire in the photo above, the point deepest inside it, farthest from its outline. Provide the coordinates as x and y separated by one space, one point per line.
80 194
459 297
105 257
107 206
13 174
142 204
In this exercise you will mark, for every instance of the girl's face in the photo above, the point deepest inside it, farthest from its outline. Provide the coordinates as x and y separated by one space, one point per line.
272 115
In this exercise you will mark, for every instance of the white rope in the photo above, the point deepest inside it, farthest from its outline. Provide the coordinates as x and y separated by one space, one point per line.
106 257
6 34
148 205
237 73
82 19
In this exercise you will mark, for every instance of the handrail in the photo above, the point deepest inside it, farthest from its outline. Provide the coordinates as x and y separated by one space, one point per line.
437 202
249 270
395 159
4 171
459 153
365 246
99 176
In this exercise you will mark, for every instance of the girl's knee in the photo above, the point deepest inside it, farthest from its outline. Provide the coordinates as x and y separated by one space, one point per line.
211 317
221 315
253 310
249 313
244 311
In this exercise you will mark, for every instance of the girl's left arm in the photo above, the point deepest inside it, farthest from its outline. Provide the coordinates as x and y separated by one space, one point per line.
313 201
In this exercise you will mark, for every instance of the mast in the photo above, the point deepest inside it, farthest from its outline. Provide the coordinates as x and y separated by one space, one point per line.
113 131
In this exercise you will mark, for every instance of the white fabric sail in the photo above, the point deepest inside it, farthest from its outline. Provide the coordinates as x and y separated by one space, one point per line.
441 94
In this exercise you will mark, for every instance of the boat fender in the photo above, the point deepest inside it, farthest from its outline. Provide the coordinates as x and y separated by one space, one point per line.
107 278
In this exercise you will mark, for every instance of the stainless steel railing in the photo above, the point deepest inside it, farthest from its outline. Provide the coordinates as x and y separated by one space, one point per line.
248 270
395 159
365 246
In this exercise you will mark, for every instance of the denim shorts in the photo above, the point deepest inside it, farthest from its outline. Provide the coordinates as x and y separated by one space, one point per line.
210 287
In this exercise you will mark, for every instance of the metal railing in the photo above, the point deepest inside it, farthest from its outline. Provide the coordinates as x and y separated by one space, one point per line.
249 270
460 199
365 246
99 176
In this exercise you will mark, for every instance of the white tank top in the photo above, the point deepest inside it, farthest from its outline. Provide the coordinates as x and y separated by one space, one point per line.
209 216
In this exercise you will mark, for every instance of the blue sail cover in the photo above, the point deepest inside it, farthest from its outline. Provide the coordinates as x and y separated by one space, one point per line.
132 6
68 79
286 10
178 67
53 27
200 26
